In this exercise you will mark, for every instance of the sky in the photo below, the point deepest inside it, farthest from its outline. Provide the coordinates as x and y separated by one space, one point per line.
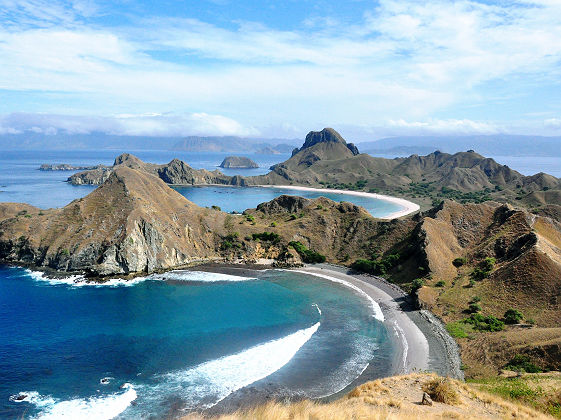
279 69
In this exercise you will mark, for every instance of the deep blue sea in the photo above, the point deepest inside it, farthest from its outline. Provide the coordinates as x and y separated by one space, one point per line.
178 341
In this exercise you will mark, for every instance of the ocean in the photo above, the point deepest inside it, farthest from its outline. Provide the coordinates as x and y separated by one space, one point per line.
163 345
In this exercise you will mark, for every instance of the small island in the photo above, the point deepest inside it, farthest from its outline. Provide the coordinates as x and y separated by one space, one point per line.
67 167
239 162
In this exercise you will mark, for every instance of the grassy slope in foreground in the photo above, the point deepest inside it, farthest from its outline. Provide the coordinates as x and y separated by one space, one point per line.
397 397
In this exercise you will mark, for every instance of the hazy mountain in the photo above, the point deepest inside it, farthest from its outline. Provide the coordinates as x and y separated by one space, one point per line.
232 144
101 141
500 144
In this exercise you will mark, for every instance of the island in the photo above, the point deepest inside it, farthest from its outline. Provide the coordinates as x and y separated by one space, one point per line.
67 167
238 162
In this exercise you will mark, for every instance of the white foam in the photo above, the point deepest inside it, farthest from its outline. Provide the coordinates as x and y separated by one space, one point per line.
376 310
99 408
81 281
404 345
208 383
198 276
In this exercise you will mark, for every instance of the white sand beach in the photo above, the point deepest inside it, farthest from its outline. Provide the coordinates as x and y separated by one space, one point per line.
408 206
411 342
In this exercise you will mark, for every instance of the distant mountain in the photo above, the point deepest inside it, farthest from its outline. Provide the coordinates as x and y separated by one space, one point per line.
499 144
93 141
234 144
101 141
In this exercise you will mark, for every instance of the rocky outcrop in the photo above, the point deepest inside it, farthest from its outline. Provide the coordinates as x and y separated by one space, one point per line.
238 162
174 172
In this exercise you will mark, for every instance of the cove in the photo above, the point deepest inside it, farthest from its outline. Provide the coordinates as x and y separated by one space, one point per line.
238 199
169 343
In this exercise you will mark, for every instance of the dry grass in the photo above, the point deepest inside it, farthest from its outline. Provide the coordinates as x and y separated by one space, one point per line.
442 390
393 398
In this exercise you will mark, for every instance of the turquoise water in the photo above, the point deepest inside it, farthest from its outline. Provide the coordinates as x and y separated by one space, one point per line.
178 341
241 198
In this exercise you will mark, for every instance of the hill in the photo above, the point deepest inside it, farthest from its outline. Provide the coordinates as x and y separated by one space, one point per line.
468 262
464 176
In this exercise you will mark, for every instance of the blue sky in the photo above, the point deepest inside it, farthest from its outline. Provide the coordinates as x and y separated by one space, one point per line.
280 68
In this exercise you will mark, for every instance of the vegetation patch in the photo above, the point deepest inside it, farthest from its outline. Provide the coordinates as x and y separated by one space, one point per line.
308 256
267 236
483 269
459 329
522 363
377 267
484 323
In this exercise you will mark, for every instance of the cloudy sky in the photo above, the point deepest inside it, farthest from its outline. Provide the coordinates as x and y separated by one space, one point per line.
280 68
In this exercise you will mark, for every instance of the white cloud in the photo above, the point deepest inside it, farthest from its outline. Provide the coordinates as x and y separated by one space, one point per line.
406 61
150 124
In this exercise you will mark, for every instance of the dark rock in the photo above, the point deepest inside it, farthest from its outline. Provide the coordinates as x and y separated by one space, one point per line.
427 400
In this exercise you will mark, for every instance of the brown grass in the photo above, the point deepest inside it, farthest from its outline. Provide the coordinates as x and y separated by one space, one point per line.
395 398
442 390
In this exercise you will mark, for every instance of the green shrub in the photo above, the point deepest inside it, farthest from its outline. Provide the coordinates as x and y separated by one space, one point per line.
484 323
376 266
267 236
274 224
440 283
522 363
458 262
513 316
293 217
474 308
475 299
250 218
416 285
308 256
471 283
216 208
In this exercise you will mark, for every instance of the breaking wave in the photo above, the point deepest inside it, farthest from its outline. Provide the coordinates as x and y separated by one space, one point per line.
100 408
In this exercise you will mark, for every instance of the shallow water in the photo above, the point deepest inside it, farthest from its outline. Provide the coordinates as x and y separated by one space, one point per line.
241 198
177 341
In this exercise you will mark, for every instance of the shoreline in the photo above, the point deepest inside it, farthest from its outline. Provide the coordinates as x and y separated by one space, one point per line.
420 340
408 206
